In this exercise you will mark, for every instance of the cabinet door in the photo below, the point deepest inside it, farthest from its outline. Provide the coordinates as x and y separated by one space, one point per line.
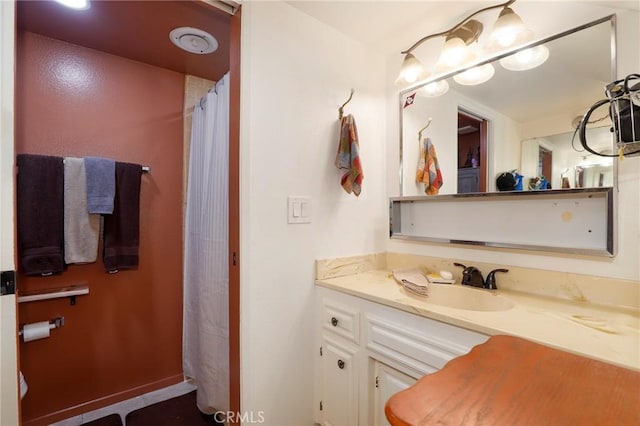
339 382
386 381
468 180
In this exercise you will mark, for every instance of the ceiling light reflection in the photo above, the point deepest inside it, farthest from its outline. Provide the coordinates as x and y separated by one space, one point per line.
75 4
475 75
437 88
526 59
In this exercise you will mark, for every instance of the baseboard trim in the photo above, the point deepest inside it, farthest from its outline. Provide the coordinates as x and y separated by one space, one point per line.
103 402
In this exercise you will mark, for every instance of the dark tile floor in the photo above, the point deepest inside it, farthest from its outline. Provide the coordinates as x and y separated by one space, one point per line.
178 411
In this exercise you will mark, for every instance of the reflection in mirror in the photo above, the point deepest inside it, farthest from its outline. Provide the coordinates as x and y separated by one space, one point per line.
558 159
518 110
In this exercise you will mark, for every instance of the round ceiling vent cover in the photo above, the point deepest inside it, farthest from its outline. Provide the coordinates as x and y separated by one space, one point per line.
194 40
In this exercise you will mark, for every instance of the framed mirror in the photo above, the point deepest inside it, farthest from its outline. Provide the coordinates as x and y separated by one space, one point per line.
520 121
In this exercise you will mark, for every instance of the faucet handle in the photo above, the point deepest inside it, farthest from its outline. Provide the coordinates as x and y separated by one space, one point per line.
490 283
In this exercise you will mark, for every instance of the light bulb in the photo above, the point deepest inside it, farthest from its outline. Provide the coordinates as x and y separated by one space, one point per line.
453 54
411 69
506 38
508 31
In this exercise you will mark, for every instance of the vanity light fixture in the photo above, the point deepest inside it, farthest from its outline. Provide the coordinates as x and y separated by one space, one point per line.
508 31
411 69
455 51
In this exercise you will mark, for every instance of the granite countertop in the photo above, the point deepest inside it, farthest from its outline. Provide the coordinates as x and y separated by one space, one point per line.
606 333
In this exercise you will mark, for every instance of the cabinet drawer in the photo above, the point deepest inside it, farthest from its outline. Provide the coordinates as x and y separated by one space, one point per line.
341 319
426 349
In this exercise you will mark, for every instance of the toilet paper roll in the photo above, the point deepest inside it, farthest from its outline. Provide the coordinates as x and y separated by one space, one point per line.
35 331
23 386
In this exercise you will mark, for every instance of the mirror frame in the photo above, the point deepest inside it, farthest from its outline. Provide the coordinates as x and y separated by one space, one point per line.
607 197
614 72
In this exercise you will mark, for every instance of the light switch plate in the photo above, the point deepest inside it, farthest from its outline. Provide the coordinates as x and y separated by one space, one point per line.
298 209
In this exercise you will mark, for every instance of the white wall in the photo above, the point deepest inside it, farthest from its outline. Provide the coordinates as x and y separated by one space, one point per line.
296 71
443 132
547 19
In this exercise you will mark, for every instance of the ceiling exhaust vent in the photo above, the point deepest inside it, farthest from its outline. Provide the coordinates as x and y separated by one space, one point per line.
193 40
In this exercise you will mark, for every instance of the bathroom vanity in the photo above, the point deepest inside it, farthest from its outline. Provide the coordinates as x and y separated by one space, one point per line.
368 352
375 339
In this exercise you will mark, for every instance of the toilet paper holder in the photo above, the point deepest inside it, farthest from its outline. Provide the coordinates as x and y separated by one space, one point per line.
53 323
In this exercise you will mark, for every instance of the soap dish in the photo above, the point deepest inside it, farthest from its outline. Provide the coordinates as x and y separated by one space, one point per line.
437 279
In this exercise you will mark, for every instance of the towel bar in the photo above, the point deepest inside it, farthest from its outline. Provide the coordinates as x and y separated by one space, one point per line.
145 169
70 292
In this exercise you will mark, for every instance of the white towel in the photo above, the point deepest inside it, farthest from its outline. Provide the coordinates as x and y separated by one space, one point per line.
412 275
81 229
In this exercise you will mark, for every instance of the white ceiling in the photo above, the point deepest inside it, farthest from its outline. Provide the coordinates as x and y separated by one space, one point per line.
378 23
392 25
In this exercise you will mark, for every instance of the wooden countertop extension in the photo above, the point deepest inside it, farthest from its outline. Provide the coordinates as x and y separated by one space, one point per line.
512 381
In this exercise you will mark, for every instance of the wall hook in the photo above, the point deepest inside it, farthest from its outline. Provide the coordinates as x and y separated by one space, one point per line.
422 130
341 109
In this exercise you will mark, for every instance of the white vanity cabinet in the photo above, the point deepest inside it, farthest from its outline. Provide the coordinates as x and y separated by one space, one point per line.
387 381
368 351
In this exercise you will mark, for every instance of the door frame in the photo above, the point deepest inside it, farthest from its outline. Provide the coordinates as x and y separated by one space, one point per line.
483 123
9 400
234 214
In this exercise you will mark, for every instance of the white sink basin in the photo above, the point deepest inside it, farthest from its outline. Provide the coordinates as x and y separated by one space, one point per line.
462 297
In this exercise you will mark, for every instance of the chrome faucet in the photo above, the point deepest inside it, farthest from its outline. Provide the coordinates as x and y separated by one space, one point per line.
473 277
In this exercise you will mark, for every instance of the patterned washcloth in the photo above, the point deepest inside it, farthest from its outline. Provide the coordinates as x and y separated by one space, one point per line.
348 158
429 169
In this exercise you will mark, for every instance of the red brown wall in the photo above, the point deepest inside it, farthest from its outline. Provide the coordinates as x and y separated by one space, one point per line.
125 337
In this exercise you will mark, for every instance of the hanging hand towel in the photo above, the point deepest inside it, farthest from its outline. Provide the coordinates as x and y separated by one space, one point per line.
81 229
122 228
429 169
101 184
40 209
348 157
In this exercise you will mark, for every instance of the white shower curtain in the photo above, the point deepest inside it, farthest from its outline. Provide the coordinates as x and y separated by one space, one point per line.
206 273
